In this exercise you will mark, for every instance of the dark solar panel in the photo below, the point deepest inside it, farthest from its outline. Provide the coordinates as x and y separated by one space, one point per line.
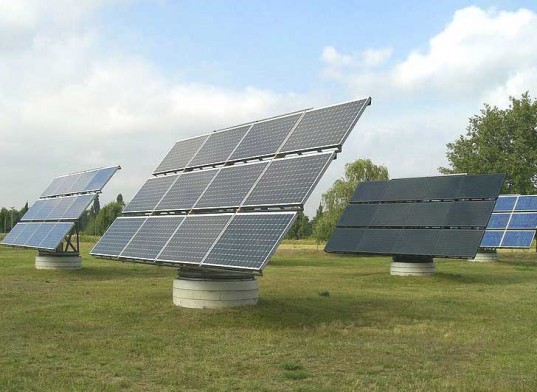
289 181
249 240
151 238
325 127
194 238
428 214
458 243
470 214
219 147
117 236
391 214
417 242
231 185
406 189
181 154
378 241
149 196
480 186
442 187
369 191
186 190
357 215
344 239
265 138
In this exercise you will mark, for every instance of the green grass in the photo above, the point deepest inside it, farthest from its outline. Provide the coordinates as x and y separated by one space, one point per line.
112 327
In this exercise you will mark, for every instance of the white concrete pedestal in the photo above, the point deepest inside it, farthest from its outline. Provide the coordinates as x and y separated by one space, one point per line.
485 257
58 262
214 289
412 266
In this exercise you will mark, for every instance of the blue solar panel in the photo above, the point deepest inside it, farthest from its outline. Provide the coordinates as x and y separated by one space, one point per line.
526 203
526 220
492 239
498 221
505 203
518 239
100 179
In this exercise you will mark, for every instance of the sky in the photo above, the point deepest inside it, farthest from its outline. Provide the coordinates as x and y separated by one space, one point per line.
96 83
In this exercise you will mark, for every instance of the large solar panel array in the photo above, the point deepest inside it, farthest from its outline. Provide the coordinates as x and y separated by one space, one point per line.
226 199
52 217
442 216
513 222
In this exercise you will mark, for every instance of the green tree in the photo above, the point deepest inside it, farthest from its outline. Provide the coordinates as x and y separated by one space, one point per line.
500 141
96 207
119 199
99 224
301 227
338 196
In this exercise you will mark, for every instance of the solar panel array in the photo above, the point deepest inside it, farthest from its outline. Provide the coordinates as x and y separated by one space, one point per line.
443 216
513 222
226 199
52 217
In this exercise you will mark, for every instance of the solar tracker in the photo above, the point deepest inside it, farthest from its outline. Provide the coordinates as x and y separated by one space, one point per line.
235 193
441 216
53 218
513 222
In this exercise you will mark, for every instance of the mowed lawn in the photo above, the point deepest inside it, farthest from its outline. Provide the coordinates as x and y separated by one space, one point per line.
323 323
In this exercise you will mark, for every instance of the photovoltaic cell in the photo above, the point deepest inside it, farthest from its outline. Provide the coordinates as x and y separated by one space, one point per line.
14 233
117 236
480 186
100 179
442 187
230 186
378 241
526 203
358 215
194 238
345 240
428 214
150 194
82 181
458 243
151 238
492 239
526 220
88 181
186 190
55 235
505 203
470 213
518 238
28 228
62 205
79 205
39 234
33 211
406 189
218 147
325 127
265 138
498 221
288 181
370 191
391 214
417 241
181 154
249 240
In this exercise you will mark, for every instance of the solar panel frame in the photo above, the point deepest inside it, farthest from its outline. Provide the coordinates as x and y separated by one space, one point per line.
81 182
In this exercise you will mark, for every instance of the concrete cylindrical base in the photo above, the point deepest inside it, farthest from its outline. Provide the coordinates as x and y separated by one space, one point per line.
56 262
485 257
412 269
214 290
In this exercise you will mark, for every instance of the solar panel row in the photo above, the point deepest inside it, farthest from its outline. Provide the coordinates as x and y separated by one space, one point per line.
423 242
237 241
285 181
305 131
42 235
88 181
59 208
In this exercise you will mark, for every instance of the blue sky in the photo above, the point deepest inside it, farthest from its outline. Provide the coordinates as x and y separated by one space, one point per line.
99 82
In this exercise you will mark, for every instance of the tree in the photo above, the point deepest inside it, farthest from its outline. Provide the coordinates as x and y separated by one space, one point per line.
96 207
338 196
99 224
119 199
500 141
301 227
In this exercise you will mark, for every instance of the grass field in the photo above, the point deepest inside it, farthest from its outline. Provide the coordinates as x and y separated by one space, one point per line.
323 323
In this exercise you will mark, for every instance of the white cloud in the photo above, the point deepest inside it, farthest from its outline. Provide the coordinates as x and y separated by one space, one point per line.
424 101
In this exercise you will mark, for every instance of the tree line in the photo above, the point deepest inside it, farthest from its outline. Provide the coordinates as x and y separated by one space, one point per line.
496 141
